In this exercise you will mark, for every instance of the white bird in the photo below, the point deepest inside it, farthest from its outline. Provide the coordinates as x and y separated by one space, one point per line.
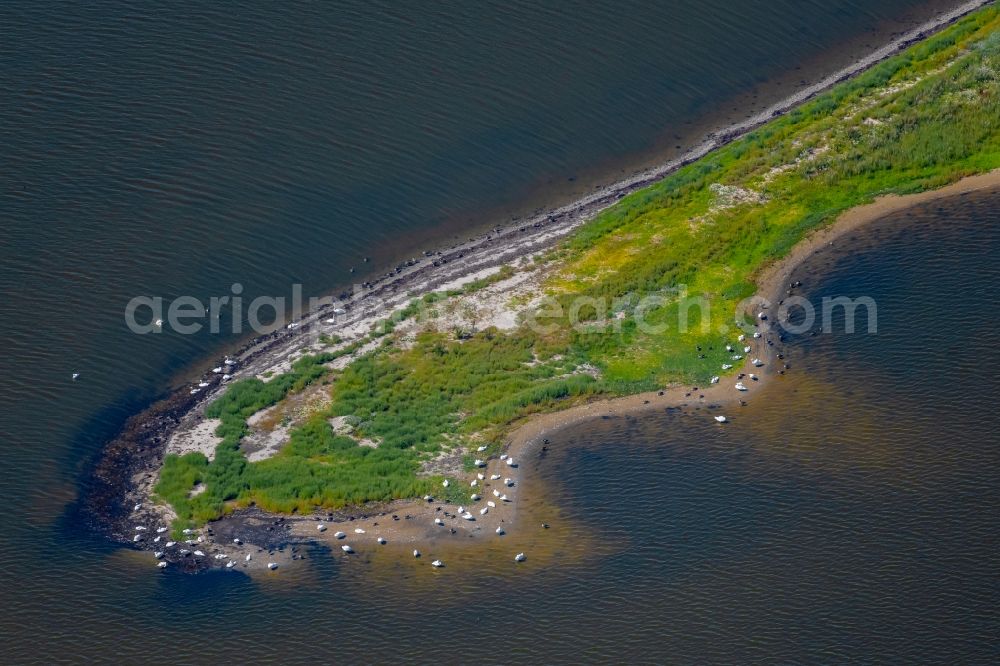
230 564
339 535
480 449
746 350
740 386
481 476
272 565
491 504
756 334
503 457
321 527
428 498
503 498
437 564
229 361
737 357
158 554
474 497
720 419
75 375
468 516
226 378
161 530
162 565
358 530
137 537
446 483
416 553
461 509
726 366
485 510
508 482
171 544
500 531
520 557
510 462
140 528
494 477
157 539
757 362
220 556
347 549
438 521
187 530
237 541
741 338
381 540
479 463
753 377
475 482
198 553
137 507
714 380
729 348
496 493
248 557
217 370
159 323
202 384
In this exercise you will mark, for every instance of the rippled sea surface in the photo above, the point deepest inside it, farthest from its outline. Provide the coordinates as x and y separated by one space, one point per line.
849 511
177 150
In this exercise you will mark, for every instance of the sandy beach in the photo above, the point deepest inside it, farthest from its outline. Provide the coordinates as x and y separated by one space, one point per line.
126 474
410 525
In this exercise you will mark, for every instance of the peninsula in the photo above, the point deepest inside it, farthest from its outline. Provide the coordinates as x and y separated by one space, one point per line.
404 411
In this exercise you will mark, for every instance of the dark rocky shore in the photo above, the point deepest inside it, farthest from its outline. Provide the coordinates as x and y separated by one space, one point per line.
124 473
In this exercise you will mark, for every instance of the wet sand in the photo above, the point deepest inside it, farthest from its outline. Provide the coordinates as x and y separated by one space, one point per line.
409 525
126 474
773 284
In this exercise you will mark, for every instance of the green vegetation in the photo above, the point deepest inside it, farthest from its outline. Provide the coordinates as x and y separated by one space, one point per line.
923 119
442 389
310 471
327 339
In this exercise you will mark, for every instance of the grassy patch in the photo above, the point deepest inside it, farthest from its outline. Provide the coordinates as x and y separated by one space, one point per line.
920 120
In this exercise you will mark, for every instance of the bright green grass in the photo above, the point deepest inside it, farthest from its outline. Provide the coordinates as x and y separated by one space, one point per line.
921 120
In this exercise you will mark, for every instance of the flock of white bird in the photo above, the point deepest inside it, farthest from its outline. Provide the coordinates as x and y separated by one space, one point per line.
462 512
756 362
192 539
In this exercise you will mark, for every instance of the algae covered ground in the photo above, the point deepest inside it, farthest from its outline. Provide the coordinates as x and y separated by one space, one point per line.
920 120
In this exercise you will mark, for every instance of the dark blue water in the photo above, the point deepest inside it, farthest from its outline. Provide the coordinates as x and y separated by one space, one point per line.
169 151
850 511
